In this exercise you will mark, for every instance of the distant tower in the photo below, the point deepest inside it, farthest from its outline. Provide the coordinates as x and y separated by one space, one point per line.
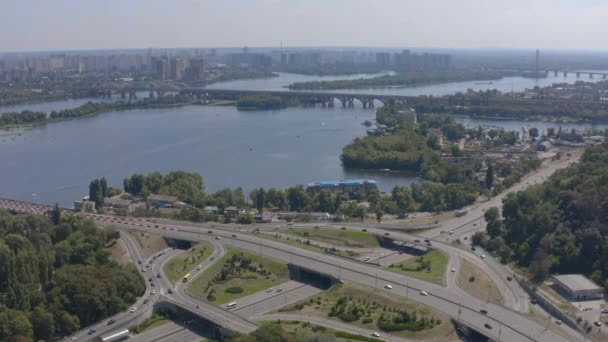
536 63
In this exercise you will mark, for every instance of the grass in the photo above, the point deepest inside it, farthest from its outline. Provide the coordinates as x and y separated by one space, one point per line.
337 237
298 329
475 281
154 321
118 252
149 244
178 266
310 245
375 303
436 274
251 282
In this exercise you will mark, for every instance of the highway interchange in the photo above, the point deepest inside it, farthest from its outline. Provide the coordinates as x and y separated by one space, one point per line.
506 322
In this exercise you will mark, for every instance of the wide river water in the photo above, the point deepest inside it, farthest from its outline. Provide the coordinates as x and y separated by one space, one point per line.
230 148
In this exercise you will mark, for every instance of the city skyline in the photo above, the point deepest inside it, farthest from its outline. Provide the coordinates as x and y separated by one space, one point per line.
71 25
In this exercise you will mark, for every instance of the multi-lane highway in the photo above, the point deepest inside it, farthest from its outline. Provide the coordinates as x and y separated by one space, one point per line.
502 323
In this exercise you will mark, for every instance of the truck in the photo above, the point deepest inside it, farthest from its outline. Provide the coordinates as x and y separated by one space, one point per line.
115 337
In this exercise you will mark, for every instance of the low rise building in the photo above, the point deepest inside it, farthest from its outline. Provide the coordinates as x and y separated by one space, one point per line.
577 287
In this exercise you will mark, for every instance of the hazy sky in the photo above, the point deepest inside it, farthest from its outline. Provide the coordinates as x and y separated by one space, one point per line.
89 24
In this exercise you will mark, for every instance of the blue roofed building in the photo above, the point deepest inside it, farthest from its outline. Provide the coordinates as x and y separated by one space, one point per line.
344 186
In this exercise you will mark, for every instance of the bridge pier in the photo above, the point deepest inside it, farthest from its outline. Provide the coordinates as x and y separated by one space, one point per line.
604 76
565 74
151 94
160 93
555 73
132 94
590 75
578 74
123 95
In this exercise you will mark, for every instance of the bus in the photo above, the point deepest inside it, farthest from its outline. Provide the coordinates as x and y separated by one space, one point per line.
186 277
231 305
120 336
461 213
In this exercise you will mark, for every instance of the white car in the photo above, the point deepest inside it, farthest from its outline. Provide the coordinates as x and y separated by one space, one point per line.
153 291
218 238
388 286
453 269
133 309
558 322
483 256
598 323
375 334
451 232
199 267
424 293
270 290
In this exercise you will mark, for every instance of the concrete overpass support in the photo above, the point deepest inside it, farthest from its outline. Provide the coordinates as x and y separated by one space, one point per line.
132 94
578 74
151 94
604 76
590 75
565 74
123 94
555 73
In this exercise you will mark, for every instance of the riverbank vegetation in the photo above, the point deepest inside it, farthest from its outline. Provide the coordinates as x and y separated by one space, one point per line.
408 79
57 277
559 226
13 119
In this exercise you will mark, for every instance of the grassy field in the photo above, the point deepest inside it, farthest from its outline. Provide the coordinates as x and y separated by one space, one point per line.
337 237
310 245
183 263
374 303
248 280
436 274
154 321
149 243
475 281
320 333
118 252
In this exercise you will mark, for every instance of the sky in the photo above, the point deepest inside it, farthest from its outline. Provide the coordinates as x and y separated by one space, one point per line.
37 25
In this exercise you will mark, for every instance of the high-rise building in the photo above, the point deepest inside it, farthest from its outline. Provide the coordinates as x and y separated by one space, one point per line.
196 70
160 65
383 59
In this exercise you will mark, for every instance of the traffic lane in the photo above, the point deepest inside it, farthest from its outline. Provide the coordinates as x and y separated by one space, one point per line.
170 331
527 327
276 302
266 294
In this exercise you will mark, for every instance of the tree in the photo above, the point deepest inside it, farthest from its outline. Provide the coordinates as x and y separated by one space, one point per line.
103 183
490 176
379 214
56 214
533 133
67 323
43 323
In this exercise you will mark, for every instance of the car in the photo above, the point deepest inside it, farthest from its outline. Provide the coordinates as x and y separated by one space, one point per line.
366 258
605 311
199 267
139 262
152 284
428 244
474 224
153 292
341 281
453 269
401 252
375 334
343 228
112 321
210 231
487 326
388 286
424 293
364 230
218 237
279 290
133 309
417 241
91 331
509 278
270 289
533 301
73 338
451 232
170 290
597 323
387 234
155 226
157 275
558 322
146 301
483 256
233 235
427 240
473 248
484 311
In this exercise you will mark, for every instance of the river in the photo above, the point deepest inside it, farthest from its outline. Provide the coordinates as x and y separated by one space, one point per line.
230 148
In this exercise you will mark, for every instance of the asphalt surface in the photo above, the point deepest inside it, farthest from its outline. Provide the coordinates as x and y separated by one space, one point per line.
168 332
263 302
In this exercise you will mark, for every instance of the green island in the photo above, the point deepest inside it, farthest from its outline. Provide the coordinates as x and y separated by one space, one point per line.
252 102
341 238
237 274
57 276
410 79
312 245
559 226
294 331
374 310
430 267
26 118
179 265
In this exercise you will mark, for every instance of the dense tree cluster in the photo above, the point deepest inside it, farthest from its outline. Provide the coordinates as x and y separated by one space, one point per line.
23 118
56 278
560 225
407 79
98 190
187 186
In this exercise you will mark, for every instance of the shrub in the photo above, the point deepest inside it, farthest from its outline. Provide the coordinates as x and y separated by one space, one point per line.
235 289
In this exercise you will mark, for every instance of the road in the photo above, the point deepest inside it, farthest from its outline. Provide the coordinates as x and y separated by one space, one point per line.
168 332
